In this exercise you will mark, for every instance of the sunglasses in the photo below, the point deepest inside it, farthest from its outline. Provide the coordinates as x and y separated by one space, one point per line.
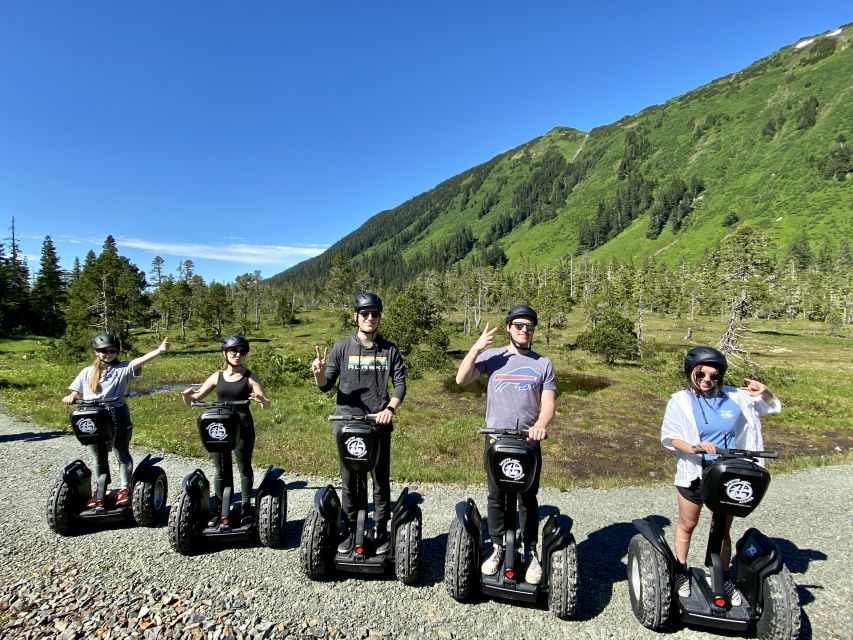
111 352
370 314
242 352
713 377
524 325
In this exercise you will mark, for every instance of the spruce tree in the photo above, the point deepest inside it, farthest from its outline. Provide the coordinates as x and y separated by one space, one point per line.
49 293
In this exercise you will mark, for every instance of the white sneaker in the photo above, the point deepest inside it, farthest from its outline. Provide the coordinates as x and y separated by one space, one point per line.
493 562
682 584
732 593
534 569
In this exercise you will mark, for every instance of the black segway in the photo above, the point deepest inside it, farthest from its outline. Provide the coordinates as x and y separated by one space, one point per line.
732 484
511 463
189 526
358 448
67 508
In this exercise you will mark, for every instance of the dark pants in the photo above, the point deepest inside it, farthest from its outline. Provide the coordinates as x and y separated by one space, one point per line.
122 432
354 487
223 474
528 509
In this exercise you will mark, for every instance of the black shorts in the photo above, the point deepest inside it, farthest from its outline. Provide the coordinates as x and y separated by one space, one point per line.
693 493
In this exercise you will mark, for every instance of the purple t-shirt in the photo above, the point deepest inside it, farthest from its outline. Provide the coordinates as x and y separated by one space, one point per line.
515 386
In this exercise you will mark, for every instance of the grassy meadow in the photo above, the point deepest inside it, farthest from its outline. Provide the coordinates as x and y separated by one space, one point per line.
605 432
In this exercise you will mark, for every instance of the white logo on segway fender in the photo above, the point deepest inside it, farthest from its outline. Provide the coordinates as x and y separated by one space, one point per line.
217 431
751 550
356 447
512 469
86 425
739 490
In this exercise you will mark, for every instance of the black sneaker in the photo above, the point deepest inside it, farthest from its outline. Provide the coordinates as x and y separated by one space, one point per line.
346 544
383 543
215 508
247 513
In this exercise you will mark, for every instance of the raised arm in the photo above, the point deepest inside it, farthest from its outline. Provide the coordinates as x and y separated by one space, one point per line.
257 393
468 372
141 360
189 395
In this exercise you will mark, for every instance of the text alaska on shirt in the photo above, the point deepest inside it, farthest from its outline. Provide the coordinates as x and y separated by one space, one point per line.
367 362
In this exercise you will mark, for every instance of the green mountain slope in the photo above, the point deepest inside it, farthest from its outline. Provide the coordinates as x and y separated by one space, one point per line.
768 144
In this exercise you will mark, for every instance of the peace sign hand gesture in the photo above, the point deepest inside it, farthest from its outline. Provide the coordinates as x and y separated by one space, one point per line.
485 340
319 363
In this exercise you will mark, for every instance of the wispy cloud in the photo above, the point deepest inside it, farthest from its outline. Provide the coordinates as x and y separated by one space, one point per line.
241 252
231 252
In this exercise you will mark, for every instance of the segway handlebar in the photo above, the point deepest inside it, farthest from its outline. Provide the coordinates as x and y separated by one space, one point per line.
520 432
739 453
370 417
220 403
91 403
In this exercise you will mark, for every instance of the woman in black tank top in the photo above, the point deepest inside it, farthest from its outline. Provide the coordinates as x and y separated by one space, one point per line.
233 382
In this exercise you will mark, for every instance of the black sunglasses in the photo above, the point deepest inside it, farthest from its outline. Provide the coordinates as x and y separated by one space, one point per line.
242 352
713 377
370 314
111 352
524 325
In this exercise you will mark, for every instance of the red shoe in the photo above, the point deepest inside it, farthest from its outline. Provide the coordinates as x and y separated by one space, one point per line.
93 502
123 497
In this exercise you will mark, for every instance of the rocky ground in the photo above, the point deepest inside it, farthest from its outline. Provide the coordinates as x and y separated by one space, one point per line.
126 582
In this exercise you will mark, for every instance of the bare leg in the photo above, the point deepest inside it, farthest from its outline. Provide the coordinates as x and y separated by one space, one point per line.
688 518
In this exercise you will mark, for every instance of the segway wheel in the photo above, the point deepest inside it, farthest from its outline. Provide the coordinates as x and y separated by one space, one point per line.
315 547
184 526
563 581
150 493
461 573
272 515
60 508
780 618
407 550
649 584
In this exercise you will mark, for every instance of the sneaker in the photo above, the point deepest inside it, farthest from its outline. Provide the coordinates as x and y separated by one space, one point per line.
123 497
247 513
383 543
682 584
346 544
493 562
534 569
93 502
215 508
732 593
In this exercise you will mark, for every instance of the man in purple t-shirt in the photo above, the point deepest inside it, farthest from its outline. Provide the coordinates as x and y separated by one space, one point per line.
521 391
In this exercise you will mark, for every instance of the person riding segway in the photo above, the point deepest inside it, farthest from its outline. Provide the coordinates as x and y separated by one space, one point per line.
227 426
520 405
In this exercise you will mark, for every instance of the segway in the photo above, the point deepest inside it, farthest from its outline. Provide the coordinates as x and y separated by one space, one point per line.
511 463
358 448
190 524
67 509
732 484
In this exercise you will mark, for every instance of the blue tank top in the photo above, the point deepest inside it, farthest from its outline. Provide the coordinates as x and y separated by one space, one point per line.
718 419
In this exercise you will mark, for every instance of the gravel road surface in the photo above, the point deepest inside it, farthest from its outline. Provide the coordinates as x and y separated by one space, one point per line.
126 582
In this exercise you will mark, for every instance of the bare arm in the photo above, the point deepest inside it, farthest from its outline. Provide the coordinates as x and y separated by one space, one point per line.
467 372
547 409
189 395
141 360
257 393
71 397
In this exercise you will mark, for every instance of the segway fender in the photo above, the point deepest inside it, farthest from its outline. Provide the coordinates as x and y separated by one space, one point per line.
652 532
272 474
757 557
328 505
468 514
556 535
78 476
147 461
196 484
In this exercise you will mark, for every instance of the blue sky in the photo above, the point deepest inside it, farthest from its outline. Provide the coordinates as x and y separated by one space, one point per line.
248 136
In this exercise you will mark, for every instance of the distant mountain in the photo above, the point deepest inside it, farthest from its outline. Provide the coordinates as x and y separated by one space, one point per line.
769 144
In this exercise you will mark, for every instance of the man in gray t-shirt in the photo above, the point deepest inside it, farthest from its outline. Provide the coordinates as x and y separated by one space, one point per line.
521 392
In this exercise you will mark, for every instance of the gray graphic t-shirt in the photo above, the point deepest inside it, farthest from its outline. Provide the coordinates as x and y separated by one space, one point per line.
515 386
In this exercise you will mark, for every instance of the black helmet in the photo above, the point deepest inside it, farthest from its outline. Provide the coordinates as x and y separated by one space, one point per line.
367 299
707 356
235 341
106 340
520 310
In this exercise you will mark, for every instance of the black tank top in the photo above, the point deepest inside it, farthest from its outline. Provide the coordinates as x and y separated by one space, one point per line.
230 391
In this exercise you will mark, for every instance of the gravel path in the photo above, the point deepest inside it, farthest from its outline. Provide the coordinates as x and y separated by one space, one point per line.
127 582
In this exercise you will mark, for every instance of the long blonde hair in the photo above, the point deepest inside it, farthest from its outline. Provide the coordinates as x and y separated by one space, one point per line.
95 376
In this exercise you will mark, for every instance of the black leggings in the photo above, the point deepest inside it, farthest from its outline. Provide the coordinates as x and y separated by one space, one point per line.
122 432
223 474
528 509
